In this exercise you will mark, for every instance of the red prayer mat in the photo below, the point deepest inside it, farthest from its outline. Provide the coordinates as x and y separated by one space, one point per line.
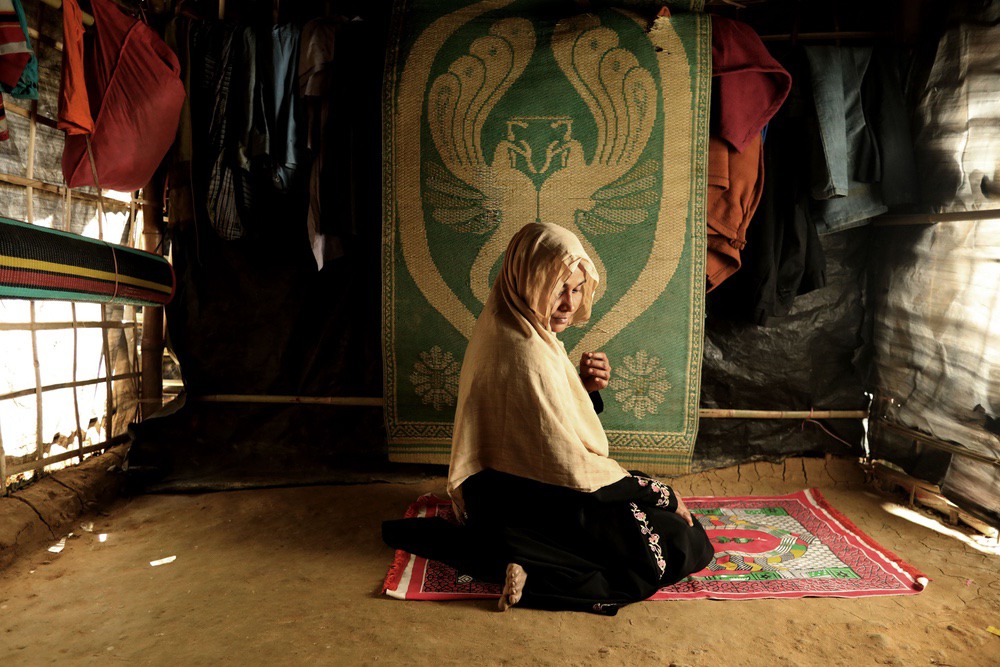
765 547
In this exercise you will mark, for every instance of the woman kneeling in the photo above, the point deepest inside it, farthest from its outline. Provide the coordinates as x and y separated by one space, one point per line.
545 510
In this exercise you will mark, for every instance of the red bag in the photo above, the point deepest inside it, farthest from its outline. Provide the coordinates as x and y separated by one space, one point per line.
126 99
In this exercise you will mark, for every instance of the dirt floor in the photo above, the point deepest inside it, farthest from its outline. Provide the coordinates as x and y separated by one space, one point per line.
292 576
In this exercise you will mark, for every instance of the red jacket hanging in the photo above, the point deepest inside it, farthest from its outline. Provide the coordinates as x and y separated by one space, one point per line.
124 93
750 87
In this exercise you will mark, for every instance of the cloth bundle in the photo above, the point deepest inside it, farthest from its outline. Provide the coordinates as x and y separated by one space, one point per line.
18 65
750 87
120 99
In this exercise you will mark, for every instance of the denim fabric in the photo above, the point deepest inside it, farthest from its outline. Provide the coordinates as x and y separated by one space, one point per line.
847 168
286 143
885 109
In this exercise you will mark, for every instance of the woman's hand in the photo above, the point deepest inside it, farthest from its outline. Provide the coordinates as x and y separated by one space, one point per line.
595 371
683 511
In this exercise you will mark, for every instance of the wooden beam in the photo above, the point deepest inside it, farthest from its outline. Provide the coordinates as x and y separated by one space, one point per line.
713 413
378 401
152 318
364 401
3 466
927 494
827 36
36 465
902 220
18 110
60 190
933 442
56 326
65 385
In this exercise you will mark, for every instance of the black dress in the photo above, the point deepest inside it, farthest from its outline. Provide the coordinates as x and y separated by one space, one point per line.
581 551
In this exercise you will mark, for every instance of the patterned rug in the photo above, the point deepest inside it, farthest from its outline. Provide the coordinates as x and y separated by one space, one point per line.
499 113
790 546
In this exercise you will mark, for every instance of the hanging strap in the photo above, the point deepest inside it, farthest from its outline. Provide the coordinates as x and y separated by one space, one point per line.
104 218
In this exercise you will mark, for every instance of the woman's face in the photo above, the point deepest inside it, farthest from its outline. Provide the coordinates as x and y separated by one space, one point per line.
566 299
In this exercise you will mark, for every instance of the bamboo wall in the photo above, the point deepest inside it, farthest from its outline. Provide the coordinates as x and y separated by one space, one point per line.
69 373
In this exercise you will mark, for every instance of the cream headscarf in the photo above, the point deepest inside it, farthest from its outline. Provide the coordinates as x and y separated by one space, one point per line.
522 408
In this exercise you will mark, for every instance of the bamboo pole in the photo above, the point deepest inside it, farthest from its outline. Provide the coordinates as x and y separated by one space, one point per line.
3 466
39 38
152 318
368 401
35 465
935 443
903 220
130 312
66 385
109 370
68 226
378 401
39 417
76 396
827 36
29 194
60 190
109 387
30 169
714 413
54 326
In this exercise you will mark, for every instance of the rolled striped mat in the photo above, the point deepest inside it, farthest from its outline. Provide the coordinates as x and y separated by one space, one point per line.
40 263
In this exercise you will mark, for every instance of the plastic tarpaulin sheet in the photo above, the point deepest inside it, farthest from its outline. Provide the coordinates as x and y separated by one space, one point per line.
938 347
957 119
938 310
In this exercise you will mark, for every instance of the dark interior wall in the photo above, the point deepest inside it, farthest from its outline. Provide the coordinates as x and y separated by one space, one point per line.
815 357
255 316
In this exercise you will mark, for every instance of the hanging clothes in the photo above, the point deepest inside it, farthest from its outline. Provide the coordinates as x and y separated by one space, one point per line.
223 89
847 165
864 160
749 88
783 257
317 81
122 95
13 50
18 66
749 85
735 184
281 136
886 110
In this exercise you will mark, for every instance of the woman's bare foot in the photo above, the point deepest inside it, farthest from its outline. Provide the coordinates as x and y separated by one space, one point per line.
513 586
